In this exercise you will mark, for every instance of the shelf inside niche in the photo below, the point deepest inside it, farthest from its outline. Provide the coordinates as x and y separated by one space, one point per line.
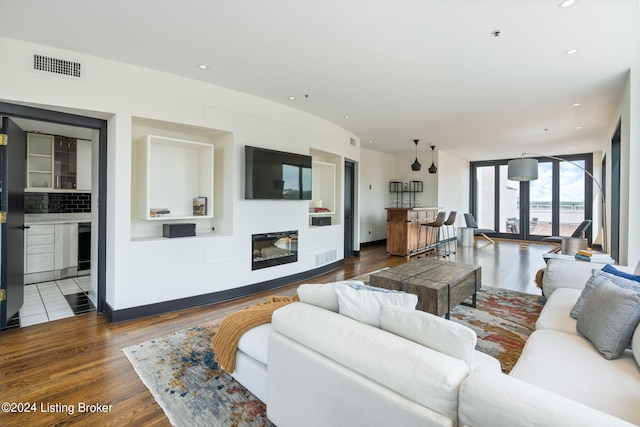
172 172
323 192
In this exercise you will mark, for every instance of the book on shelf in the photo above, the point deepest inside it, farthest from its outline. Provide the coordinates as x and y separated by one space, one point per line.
158 212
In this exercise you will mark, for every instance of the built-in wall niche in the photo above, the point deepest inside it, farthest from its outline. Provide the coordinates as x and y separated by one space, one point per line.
324 203
180 174
176 177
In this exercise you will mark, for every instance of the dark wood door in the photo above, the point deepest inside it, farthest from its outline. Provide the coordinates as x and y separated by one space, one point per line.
12 167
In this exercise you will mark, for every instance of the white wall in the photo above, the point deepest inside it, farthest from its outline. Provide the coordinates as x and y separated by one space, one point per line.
448 188
376 171
141 272
403 173
453 185
629 169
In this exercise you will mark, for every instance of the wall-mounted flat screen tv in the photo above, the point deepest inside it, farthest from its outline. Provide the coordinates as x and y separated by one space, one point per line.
276 175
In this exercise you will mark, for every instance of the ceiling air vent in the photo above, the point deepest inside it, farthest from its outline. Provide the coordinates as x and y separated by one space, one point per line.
58 66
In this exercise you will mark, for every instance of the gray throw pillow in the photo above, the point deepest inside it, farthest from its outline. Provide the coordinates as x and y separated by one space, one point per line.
597 277
609 318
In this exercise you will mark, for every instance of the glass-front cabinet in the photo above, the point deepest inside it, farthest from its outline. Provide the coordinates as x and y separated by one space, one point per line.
65 163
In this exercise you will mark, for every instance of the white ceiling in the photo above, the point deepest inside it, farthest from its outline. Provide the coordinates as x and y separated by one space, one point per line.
401 69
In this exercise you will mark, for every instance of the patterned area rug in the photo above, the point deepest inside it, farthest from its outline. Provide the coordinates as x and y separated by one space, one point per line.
180 372
503 320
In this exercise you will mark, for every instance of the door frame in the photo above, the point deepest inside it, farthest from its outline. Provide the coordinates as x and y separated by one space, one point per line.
616 152
40 114
349 191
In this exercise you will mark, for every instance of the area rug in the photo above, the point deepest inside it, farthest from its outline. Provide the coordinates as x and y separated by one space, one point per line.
180 372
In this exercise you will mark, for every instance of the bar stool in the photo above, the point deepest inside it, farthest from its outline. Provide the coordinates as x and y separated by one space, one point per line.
437 224
451 219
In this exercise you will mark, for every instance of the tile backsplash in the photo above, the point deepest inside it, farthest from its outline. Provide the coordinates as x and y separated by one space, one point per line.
35 203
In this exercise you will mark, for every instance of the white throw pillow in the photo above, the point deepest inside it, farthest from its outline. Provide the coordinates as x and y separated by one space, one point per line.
323 295
362 303
431 331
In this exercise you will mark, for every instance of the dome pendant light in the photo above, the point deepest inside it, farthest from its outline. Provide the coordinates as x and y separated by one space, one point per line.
433 168
416 166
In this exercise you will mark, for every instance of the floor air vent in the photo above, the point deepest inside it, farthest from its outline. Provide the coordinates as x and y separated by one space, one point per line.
327 257
58 66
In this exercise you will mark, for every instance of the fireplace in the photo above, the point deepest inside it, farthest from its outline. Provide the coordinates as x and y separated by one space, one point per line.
269 249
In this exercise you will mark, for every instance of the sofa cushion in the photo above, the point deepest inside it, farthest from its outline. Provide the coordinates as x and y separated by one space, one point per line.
609 317
569 365
362 303
442 335
635 344
562 273
323 295
612 270
499 400
597 277
421 374
555 313
254 342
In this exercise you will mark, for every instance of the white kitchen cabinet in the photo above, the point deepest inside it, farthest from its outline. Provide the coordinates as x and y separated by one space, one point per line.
51 252
39 248
39 161
66 246
56 163
83 177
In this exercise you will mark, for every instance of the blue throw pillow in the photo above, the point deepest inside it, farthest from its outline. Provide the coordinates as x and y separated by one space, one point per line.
612 270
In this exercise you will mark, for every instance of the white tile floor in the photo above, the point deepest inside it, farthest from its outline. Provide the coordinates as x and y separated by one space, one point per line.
45 301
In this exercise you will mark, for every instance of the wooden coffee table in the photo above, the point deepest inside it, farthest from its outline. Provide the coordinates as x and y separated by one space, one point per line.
440 285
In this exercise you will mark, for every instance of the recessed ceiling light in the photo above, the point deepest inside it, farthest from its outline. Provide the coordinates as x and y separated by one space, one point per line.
347 117
576 104
567 3
572 51
370 142
292 98
203 67
578 127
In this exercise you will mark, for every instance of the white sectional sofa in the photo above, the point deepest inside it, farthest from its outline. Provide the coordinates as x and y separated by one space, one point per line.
561 378
325 368
393 366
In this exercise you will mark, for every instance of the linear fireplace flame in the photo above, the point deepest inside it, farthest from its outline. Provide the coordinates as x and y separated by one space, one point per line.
270 249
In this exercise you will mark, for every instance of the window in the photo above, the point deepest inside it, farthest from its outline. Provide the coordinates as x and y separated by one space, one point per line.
552 205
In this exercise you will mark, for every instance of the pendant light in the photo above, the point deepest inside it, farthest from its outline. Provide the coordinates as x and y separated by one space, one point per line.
433 168
416 166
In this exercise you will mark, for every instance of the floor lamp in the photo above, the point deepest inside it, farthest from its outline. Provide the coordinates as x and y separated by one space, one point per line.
527 170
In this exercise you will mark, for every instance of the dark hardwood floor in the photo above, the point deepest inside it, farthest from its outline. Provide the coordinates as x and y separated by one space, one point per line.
80 359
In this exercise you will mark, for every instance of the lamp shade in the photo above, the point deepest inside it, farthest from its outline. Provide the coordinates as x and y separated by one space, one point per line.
522 169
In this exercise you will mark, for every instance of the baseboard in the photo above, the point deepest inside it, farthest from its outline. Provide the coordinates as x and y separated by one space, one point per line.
115 316
374 243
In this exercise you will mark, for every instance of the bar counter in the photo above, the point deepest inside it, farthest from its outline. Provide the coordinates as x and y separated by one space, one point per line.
403 225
